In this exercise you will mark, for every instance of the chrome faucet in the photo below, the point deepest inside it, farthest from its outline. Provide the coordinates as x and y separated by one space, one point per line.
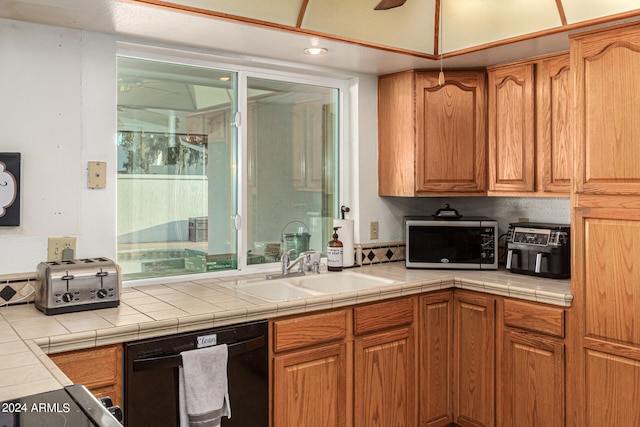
287 264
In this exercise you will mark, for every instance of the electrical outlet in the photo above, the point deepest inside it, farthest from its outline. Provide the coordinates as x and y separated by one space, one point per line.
61 248
373 230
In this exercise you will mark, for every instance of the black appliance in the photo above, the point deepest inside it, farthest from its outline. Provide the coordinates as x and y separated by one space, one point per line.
71 406
539 249
151 375
451 243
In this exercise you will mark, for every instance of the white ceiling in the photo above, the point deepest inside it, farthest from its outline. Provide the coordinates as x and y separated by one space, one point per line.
360 40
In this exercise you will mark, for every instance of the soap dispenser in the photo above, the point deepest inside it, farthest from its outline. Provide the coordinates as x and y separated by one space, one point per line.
334 252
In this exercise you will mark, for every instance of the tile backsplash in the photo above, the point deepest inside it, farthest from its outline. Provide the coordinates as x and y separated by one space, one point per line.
16 288
376 253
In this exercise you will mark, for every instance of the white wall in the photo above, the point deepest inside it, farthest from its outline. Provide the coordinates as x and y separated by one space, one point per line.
58 112
57 103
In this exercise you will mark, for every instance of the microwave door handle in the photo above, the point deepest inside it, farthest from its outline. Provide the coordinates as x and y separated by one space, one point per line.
509 258
175 360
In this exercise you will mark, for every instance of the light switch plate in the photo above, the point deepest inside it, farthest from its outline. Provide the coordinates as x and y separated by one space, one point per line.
97 174
373 230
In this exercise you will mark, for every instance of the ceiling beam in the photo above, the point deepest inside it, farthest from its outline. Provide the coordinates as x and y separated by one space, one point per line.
563 17
303 10
634 14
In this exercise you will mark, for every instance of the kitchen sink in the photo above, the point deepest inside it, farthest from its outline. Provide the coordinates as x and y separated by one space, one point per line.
345 281
310 285
274 290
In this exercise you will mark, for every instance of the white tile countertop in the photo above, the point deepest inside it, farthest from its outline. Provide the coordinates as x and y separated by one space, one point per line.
27 335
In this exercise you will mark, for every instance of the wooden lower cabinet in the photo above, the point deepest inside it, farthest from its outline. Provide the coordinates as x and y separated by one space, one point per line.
310 387
99 369
454 357
532 386
473 359
436 359
531 364
385 375
364 377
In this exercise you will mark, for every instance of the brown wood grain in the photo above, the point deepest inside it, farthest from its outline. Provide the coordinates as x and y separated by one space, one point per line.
473 355
436 359
384 315
511 128
99 369
308 330
534 317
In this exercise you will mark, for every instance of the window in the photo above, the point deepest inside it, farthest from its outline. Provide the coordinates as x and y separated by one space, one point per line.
208 181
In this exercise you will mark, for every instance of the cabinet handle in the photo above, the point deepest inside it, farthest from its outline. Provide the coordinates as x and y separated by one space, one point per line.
175 360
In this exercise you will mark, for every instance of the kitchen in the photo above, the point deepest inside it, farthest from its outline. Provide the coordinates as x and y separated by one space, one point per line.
70 67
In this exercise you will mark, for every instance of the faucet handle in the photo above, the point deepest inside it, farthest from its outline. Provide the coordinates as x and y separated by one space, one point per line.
311 257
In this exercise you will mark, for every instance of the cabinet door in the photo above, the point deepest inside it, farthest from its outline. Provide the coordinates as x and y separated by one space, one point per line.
99 369
396 114
607 98
310 387
532 385
473 371
605 369
384 383
436 359
511 129
554 132
450 133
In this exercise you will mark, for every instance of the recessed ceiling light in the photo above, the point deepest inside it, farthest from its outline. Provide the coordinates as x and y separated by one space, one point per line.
315 51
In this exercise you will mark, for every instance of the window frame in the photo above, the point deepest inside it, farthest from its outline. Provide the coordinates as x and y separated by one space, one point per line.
270 71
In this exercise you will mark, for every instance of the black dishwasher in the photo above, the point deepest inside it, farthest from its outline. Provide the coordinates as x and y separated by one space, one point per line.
151 375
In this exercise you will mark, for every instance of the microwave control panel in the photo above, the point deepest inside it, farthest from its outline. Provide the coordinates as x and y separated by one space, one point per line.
537 236
488 244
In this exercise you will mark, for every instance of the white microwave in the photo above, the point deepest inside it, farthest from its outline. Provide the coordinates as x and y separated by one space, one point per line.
469 243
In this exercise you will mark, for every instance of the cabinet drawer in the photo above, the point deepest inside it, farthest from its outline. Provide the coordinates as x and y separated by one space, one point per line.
309 330
534 317
94 367
382 315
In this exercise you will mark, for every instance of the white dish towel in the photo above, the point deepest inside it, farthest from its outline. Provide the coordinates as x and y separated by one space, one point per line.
203 387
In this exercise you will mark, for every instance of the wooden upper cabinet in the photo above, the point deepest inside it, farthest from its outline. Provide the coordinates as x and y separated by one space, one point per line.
511 129
605 66
450 133
431 138
553 125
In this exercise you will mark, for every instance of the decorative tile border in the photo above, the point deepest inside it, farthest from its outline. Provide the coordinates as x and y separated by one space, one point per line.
377 253
17 288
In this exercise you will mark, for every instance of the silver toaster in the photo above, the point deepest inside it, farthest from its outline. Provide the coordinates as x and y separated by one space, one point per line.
77 285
